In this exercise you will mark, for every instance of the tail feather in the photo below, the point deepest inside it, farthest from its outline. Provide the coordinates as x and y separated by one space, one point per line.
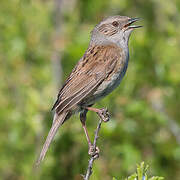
57 122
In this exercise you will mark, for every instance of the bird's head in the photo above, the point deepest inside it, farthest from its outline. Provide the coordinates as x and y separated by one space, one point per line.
116 29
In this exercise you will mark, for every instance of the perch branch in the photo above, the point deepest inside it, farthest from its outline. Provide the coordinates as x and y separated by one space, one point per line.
96 154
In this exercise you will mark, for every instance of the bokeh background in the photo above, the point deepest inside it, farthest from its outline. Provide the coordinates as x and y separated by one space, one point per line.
40 42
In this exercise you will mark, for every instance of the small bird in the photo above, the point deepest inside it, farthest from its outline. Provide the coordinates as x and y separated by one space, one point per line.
97 74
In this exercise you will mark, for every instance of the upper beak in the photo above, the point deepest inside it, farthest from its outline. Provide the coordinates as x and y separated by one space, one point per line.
130 22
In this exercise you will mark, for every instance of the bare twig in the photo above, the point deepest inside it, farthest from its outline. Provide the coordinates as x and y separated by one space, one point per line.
95 155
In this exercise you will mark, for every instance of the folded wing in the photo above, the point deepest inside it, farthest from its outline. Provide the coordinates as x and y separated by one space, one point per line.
95 66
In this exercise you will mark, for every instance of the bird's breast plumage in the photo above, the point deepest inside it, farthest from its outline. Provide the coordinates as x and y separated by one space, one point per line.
113 80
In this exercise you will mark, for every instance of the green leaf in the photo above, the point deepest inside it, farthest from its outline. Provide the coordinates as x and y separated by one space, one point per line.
156 178
142 174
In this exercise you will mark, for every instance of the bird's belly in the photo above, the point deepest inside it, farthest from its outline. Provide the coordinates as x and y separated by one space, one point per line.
108 85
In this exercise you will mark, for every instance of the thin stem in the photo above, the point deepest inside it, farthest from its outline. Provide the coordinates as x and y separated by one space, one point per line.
94 156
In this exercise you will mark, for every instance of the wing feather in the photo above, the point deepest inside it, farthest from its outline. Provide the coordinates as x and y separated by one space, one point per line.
86 76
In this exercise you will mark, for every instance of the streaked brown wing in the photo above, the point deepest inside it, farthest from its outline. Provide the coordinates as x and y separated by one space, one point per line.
96 65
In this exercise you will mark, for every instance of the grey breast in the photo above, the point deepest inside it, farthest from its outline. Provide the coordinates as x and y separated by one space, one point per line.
108 86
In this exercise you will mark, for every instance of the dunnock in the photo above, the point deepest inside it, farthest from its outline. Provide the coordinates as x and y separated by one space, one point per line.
97 73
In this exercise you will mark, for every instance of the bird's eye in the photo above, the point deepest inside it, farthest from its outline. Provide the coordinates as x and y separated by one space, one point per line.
115 24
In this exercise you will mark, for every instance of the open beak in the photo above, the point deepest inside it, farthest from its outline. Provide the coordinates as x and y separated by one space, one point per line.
130 22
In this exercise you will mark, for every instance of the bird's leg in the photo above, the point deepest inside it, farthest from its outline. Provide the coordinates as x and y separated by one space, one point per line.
102 113
92 150
83 121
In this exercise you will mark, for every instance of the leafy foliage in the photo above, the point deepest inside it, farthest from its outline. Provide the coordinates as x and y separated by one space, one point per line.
141 174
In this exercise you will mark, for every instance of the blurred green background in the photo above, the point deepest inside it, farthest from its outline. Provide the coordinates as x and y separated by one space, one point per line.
40 42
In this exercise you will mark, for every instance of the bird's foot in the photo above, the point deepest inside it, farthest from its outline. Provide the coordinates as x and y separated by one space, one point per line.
93 151
104 114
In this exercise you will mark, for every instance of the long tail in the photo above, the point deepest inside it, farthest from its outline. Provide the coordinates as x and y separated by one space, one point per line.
57 122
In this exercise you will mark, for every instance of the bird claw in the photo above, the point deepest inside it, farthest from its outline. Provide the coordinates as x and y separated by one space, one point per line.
93 151
104 114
